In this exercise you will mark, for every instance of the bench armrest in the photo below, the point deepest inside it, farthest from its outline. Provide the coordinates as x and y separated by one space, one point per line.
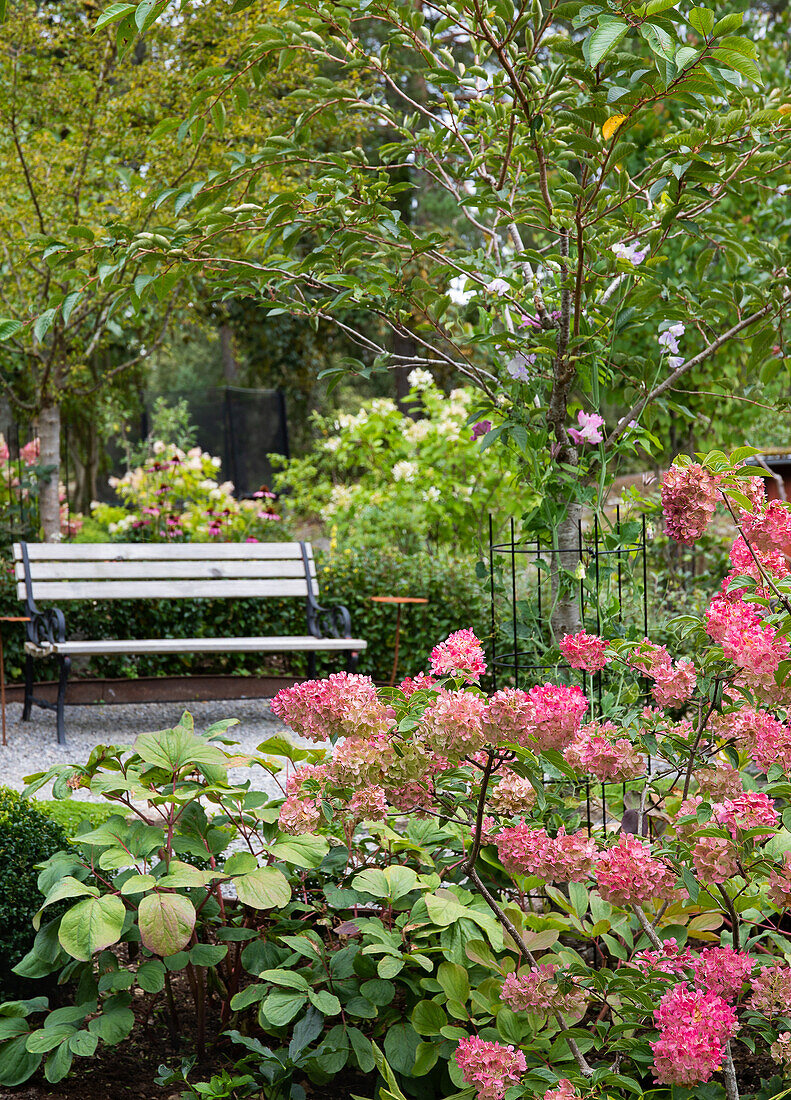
328 622
45 627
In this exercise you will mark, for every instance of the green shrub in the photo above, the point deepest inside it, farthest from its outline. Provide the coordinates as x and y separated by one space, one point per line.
70 815
27 838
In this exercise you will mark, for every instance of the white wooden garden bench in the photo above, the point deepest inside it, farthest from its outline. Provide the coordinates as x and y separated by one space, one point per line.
60 572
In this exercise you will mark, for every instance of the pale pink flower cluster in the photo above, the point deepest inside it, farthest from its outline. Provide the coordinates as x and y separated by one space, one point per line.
597 750
452 724
537 991
526 851
343 705
723 971
769 529
299 815
513 794
772 990
748 810
689 496
460 655
585 651
719 970
781 1049
719 781
767 739
413 796
715 859
694 1027
555 714
628 873
368 804
743 562
564 1091
508 717
490 1067
673 683
422 682
780 884
755 647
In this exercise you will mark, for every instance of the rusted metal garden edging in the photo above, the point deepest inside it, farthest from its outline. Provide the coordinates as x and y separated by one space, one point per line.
161 689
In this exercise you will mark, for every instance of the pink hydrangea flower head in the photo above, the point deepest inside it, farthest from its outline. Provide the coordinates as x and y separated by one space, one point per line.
572 856
452 724
755 647
769 529
674 686
715 859
670 961
489 1067
537 991
781 1050
343 705
650 659
689 496
694 1027
31 452
585 651
597 750
780 884
460 655
513 794
723 971
368 804
748 810
628 873
719 781
525 851
773 562
686 829
564 1091
508 717
361 763
422 682
589 431
413 797
555 714
771 992
310 775
299 815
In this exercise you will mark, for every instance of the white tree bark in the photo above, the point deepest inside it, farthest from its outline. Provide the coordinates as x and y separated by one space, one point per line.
48 502
564 559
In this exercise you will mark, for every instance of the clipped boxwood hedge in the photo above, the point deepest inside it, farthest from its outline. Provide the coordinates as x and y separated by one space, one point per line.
456 599
27 838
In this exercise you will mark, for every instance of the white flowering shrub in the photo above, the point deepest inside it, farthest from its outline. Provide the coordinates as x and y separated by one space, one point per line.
416 480
175 497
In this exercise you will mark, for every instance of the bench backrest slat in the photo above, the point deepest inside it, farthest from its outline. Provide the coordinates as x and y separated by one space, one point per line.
127 571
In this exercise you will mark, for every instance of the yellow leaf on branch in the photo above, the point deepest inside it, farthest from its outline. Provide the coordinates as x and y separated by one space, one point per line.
611 125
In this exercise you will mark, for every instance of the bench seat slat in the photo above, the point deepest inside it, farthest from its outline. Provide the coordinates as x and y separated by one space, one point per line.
161 570
161 551
209 645
163 590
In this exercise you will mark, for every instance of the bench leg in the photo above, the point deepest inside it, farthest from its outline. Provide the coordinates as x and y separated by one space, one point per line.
311 666
351 661
65 665
28 688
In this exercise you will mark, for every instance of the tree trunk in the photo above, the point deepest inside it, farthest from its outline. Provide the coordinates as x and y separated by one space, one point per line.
48 499
565 558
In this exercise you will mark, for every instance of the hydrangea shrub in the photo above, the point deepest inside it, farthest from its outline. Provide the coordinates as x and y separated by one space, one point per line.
676 948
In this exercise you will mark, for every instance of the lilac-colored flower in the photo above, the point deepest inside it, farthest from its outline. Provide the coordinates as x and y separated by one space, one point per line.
527 320
481 428
589 425
517 368
670 337
675 361
498 286
634 253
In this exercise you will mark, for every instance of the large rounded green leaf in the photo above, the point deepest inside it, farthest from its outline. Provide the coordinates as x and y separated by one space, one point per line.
16 1062
91 925
166 922
264 888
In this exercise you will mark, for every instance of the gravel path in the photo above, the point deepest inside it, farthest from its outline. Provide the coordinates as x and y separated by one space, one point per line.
32 746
